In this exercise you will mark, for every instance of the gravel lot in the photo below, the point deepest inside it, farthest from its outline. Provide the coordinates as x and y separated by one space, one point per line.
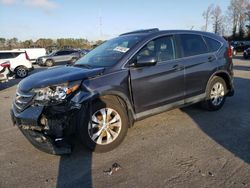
185 147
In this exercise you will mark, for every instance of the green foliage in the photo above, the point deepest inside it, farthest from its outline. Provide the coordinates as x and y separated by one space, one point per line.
47 43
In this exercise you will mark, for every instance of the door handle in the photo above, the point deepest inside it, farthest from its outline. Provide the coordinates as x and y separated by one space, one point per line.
211 58
178 67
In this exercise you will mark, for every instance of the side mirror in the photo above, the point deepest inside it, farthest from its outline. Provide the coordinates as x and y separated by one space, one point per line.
146 61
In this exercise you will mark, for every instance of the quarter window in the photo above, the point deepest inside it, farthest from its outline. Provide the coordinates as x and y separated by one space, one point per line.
161 48
16 54
212 44
193 45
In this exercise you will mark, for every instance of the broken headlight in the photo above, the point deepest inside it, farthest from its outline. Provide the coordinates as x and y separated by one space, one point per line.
54 94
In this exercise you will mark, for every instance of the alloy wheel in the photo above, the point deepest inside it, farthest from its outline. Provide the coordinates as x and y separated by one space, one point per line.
105 126
21 72
217 94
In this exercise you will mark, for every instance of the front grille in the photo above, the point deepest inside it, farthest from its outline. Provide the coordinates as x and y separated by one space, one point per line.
22 101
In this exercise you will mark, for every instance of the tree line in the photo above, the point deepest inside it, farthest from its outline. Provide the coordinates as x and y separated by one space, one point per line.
8 44
234 23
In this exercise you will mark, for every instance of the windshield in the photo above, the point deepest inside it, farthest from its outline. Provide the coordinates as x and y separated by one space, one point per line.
110 52
51 53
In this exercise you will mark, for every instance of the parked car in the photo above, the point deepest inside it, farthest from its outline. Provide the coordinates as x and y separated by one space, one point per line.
19 62
33 53
84 52
125 79
4 70
59 57
240 46
246 53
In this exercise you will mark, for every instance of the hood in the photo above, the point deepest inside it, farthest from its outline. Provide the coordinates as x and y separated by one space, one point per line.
57 75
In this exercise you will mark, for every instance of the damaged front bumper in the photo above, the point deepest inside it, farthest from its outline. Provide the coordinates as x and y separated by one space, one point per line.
43 137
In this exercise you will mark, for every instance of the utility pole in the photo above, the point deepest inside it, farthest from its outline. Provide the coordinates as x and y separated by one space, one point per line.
100 22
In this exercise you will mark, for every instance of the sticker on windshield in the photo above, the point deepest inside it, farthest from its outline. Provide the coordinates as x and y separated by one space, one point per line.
121 49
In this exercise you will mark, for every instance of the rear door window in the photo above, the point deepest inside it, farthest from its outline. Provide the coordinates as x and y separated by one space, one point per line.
69 52
6 55
213 45
61 53
193 45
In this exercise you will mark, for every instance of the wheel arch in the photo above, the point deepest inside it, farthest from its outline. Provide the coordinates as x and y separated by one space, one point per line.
50 59
224 75
20 66
122 100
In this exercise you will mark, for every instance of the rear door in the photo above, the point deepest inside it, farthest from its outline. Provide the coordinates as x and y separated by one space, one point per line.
69 55
160 84
198 63
64 56
60 56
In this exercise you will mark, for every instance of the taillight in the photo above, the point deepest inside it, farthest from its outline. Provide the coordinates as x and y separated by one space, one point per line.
5 64
230 52
26 56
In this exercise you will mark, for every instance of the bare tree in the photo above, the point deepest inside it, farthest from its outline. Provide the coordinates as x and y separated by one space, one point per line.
248 20
217 18
27 43
237 13
207 15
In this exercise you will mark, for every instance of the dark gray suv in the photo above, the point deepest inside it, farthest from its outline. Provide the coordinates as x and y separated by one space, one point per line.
125 79
59 57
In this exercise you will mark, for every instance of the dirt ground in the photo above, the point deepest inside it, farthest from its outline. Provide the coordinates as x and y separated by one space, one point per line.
186 147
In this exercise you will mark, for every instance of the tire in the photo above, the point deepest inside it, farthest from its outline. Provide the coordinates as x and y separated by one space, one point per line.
215 94
49 63
21 72
101 143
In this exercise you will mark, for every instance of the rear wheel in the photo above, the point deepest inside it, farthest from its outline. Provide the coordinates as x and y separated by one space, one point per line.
215 95
21 72
49 63
106 128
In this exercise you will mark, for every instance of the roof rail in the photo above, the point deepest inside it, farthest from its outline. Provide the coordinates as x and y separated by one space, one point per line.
141 31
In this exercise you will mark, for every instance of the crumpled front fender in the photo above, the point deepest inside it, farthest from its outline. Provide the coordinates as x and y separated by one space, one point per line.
83 96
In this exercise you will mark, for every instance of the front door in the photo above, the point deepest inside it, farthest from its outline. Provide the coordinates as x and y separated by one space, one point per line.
160 84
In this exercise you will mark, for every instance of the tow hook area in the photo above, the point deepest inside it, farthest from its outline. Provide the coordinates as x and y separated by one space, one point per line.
44 143
44 133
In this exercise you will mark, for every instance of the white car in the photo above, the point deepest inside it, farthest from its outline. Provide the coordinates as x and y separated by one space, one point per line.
19 62
33 53
4 70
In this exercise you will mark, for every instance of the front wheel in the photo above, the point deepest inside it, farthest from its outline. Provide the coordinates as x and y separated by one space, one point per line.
215 95
49 63
107 126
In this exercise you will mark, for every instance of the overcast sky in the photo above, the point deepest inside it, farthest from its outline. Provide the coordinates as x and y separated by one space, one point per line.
95 19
